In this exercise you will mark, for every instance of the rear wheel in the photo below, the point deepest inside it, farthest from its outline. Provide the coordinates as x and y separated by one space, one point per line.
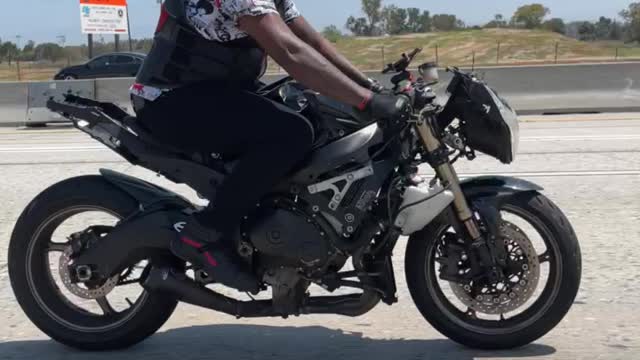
542 278
110 315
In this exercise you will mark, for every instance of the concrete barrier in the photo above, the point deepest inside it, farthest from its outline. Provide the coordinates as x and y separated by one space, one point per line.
115 91
13 103
562 88
613 87
40 92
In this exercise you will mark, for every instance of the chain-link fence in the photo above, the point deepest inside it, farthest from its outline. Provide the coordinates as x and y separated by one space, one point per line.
372 54
373 57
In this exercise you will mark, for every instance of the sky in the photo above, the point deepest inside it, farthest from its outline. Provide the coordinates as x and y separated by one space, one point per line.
45 20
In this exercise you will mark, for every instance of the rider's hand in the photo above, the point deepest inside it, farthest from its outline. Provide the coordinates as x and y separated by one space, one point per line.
386 106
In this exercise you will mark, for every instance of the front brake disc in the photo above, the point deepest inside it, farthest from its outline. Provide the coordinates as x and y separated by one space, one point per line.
517 289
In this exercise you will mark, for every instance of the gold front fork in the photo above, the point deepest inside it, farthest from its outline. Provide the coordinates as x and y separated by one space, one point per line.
449 178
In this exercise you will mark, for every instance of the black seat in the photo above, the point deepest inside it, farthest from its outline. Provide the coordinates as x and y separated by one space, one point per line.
222 165
132 123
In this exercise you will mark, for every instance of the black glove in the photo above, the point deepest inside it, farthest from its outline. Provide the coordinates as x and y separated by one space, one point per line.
383 106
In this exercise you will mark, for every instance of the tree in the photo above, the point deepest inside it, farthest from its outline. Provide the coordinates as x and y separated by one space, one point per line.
603 28
27 52
426 24
9 51
358 26
30 46
368 25
586 31
497 22
413 20
332 33
445 22
394 20
530 16
556 25
617 31
49 51
418 23
631 16
373 11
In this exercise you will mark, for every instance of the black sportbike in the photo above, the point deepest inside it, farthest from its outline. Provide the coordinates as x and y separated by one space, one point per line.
490 262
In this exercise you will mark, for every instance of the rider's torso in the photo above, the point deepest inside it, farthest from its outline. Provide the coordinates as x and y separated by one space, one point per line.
199 40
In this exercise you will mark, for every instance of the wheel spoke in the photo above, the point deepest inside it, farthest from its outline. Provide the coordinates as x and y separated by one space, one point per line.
543 258
57 247
105 306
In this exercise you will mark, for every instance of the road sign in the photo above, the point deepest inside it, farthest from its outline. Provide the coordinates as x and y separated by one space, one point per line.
104 16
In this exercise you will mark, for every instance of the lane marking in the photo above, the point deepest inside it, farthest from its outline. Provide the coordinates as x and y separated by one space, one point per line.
53 150
580 138
44 148
552 173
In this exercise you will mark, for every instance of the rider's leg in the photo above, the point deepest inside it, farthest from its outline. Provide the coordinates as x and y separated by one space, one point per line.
268 138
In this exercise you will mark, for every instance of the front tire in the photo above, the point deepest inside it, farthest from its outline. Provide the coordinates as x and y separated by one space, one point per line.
41 298
544 314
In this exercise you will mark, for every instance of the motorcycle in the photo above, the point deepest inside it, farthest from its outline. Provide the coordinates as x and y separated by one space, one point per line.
490 263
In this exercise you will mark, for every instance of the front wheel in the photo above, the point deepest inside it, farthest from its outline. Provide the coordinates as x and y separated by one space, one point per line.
109 315
540 285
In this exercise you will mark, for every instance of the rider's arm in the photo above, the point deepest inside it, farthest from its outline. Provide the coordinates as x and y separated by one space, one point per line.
301 61
308 34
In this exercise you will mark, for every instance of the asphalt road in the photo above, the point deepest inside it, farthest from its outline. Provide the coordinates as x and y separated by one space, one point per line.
590 168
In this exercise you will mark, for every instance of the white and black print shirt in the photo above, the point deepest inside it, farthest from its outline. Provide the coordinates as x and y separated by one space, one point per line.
217 20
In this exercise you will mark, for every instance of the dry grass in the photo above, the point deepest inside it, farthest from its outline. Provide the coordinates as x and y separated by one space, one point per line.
29 71
454 48
458 48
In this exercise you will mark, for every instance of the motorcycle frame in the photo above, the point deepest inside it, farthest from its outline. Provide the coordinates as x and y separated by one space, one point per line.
159 209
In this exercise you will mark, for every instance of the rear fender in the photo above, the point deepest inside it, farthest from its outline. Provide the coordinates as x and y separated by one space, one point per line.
144 192
145 235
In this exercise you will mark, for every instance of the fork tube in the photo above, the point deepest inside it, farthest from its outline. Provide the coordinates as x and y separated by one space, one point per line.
449 178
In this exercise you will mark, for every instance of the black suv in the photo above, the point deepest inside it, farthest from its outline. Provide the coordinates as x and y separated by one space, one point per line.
104 66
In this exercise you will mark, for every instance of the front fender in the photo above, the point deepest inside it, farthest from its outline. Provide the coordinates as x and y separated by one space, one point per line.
496 187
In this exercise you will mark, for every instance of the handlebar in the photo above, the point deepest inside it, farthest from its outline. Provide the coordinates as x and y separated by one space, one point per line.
402 64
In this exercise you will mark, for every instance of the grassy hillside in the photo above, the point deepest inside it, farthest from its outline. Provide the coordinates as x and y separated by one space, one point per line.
457 48
454 48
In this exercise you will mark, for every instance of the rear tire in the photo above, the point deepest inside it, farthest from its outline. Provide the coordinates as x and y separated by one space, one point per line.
421 275
31 283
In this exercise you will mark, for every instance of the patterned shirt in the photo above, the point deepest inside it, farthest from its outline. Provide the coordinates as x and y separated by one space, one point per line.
217 20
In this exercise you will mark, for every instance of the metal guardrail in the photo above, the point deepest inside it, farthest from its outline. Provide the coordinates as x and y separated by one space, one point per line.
531 90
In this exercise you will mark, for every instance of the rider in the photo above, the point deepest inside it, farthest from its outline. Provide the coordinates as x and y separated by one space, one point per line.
196 91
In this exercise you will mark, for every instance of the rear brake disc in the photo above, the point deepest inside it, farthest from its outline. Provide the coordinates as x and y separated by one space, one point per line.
75 288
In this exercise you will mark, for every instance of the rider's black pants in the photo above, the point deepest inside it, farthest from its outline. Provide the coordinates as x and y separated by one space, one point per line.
268 138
